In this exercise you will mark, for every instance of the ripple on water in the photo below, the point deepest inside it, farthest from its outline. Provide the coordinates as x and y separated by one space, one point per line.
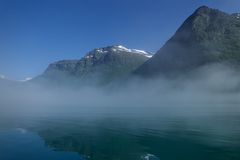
149 157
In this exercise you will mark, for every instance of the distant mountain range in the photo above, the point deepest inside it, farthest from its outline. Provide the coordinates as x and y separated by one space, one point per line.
100 66
207 36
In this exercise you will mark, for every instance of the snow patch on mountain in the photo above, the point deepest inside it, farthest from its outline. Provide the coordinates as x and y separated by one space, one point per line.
122 48
236 15
26 79
137 51
117 48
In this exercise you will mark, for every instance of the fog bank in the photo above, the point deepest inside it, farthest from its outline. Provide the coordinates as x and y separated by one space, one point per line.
211 89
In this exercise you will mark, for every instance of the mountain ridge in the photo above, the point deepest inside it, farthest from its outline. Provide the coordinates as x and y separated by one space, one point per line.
99 66
207 36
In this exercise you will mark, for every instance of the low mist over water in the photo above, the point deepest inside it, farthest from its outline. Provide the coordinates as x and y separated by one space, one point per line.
196 116
209 90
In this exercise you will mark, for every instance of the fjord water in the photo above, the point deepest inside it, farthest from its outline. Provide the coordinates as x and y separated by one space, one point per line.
121 135
18 143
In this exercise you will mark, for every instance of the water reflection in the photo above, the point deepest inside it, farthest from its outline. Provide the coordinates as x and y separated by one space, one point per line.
138 138
19 144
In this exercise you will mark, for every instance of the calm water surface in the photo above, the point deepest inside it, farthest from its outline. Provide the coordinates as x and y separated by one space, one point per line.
120 137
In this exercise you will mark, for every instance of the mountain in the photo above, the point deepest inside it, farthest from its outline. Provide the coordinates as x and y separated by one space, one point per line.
99 66
207 36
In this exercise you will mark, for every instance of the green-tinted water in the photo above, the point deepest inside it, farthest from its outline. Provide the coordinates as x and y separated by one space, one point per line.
120 137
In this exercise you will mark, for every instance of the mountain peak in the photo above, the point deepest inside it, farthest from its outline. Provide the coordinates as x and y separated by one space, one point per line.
118 49
205 11
202 9
99 66
207 36
202 23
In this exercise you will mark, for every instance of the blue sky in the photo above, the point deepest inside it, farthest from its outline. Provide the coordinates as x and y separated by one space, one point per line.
34 33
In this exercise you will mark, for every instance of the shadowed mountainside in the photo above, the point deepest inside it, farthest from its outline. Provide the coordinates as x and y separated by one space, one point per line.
207 36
